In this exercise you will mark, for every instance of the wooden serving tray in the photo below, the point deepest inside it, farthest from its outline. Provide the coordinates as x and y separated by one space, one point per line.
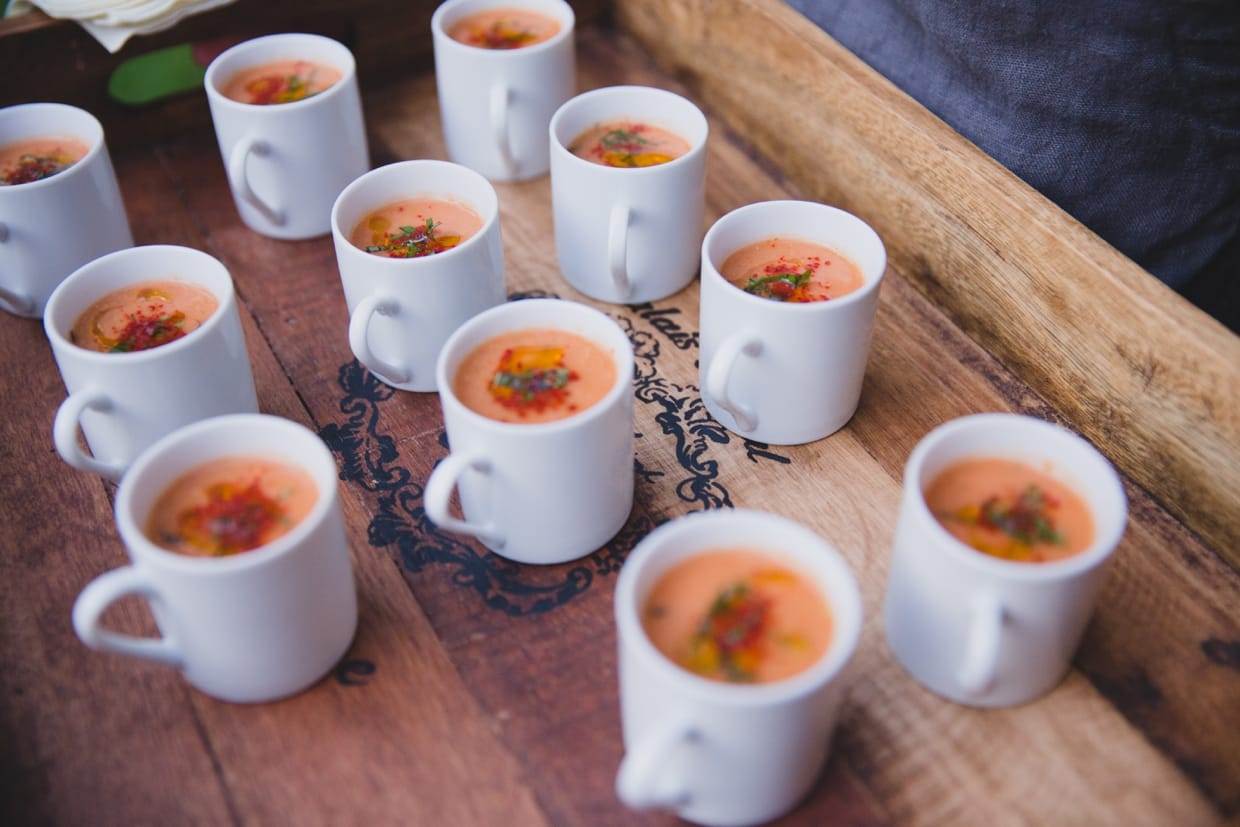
480 692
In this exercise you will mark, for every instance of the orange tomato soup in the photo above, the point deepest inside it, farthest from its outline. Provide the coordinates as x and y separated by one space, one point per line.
229 505
506 28
791 270
415 227
282 81
1010 510
142 316
737 615
531 376
628 144
22 162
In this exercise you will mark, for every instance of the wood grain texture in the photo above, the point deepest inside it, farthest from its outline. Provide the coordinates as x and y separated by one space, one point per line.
1154 382
480 692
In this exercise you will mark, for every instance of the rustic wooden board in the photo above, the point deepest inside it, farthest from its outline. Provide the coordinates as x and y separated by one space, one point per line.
480 692
1134 367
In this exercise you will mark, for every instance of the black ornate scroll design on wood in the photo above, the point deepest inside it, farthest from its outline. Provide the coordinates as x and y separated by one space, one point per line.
369 458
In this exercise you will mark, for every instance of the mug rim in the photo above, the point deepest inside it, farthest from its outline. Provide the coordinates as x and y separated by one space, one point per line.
216 319
696 149
211 82
623 358
712 272
94 144
312 456
1106 537
489 220
847 619
567 18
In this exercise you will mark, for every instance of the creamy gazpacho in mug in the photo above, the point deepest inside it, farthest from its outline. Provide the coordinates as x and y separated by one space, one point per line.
791 270
34 159
737 615
628 143
1010 510
281 81
229 505
415 227
142 316
530 376
504 28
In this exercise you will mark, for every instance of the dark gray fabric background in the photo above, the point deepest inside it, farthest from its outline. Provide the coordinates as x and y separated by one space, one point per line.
1126 113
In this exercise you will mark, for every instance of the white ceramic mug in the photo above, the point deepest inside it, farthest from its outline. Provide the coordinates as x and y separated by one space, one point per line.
541 492
402 310
122 402
628 235
287 162
717 753
49 228
253 626
495 103
785 373
980 630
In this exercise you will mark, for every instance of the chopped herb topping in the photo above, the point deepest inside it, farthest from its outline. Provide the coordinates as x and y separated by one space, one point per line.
35 168
414 241
530 378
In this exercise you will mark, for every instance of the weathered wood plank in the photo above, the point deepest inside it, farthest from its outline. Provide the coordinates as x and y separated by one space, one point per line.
1149 378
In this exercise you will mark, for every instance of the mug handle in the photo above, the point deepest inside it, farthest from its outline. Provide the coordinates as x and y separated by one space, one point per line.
65 432
240 182
443 480
102 592
11 300
501 98
981 656
720 370
618 248
642 781
359 342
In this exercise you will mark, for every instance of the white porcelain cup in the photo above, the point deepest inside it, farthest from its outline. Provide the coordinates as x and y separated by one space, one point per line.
122 402
785 373
495 103
717 753
980 630
287 162
628 235
49 228
253 626
541 492
402 310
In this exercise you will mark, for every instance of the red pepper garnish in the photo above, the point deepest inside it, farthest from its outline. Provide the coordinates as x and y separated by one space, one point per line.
502 34
532 379
731 638
233 519
270 89
144 332
35 168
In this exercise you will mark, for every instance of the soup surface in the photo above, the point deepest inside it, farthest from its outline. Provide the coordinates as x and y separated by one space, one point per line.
230 505
628 143
282 81
143 315
415 227
37 158
1010 510
737 615
505 28
791 270
536 375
